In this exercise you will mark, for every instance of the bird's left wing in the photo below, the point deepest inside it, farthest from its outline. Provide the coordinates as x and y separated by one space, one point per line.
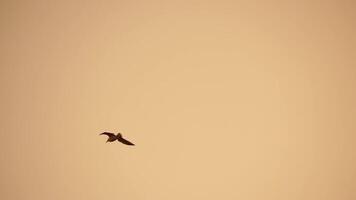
125 141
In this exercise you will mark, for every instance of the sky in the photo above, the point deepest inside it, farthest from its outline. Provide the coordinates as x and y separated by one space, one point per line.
250 100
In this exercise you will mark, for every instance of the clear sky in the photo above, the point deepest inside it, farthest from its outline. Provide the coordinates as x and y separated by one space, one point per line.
251 100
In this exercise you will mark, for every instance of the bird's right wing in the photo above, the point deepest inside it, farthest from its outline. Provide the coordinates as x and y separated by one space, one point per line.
108 134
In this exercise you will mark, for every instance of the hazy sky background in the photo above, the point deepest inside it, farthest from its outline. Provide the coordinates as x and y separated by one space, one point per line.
250 100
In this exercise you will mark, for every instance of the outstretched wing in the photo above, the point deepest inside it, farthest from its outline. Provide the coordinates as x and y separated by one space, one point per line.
108 134
122 140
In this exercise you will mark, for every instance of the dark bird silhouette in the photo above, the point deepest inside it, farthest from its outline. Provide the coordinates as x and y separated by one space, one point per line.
118 137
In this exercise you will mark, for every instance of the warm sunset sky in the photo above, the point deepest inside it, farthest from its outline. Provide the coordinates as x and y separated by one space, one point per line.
230 100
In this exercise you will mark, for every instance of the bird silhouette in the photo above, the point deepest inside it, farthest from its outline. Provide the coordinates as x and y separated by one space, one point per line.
118 137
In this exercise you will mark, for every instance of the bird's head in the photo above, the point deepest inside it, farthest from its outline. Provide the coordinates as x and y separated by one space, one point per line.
119 135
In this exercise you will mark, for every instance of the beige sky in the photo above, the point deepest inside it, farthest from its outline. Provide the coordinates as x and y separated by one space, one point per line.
251 100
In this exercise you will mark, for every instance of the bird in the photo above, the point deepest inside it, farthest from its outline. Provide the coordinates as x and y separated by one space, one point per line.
118 137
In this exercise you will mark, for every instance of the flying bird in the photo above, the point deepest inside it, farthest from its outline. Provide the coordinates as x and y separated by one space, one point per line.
118 137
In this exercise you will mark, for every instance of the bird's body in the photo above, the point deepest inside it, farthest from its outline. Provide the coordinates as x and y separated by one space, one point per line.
118 137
